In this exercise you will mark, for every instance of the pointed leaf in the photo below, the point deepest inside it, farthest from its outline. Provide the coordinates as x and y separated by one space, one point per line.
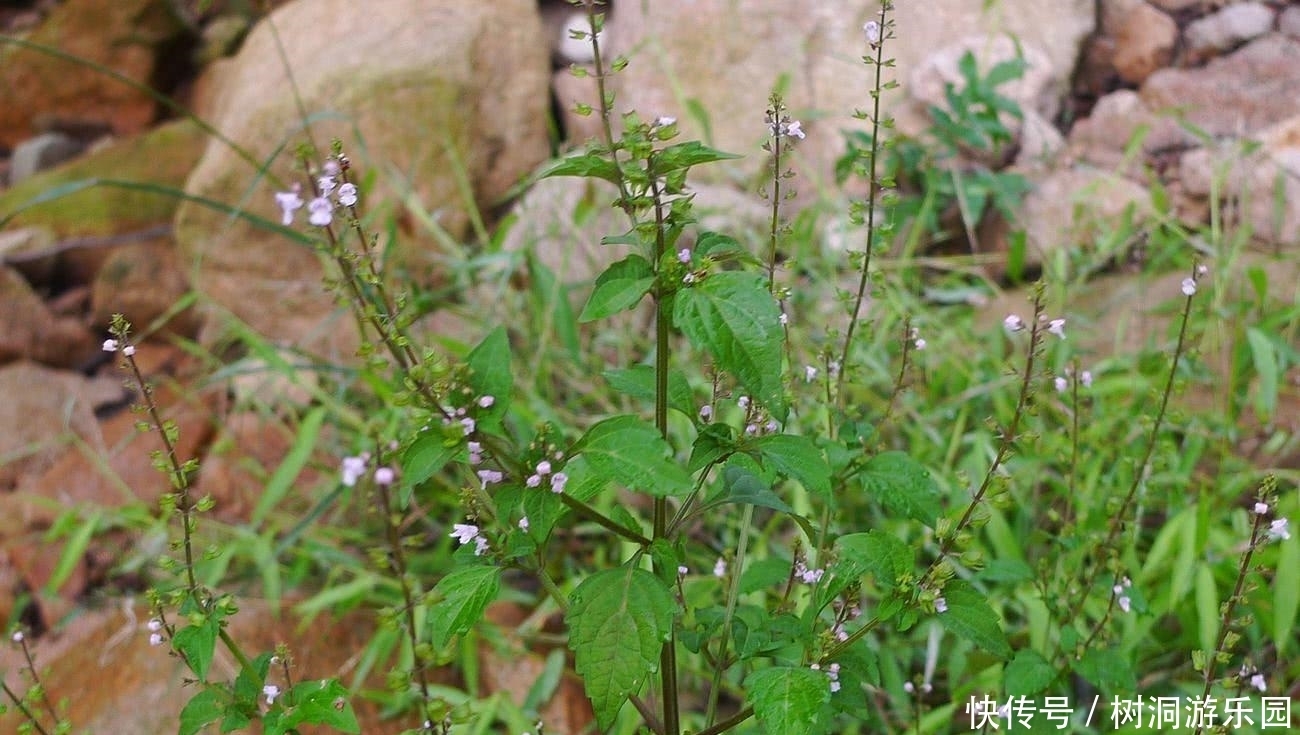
618 622
587 165
197 643
1028 674
638 381
969 616
202 709
619 288
318 702
903 486
789 699
734 317
427 454
631 452
884 555
1107 669
463 595
686 155
798 458
489 365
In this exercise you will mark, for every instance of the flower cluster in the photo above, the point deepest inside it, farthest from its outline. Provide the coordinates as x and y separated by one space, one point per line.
467 532
320 210
832 672
1121 594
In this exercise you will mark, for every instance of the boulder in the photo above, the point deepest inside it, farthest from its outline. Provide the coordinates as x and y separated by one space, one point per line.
1226 28
37 154
142 282
30 331
43 89
1144 38
443 102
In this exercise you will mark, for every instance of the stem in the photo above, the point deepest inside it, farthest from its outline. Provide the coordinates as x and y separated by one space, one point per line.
733 594
18 702
398 562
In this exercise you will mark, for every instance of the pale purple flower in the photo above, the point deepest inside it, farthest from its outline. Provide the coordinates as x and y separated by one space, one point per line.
706 412
17 636
1261 508
920 344
785 318
523 523
322 212
743 402
1189 287
154 625
488 477
465 533
1057 327
720 568
558 481
940 605
684 256
128 350
348 194
155 639
486 401
1085 378
543 468
110 345
688 279
872 31
665 121
271 691
385 476
1060 383
1258 682
352 470
1125 603
809 373
326 185
1013 323
1278 530
533 480
288 202
795 130
683 570
468 424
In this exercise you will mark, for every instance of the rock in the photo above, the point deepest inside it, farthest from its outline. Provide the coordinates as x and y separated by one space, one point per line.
248 448
1068 208
1040 142
1288 23
29 250
447 92
283 380
43 410
560 19
1227 28
512 668
46 150
1264 184
1102 138
143 282
816 49
30 331
1039 89
1234 95
570 91
1176 6
123 35
1144 38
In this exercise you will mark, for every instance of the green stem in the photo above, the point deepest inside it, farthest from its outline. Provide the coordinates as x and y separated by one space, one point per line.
733 594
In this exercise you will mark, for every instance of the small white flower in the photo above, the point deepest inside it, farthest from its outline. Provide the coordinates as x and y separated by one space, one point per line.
352 470
720 568
348 194
683 570
326 184
128 350
288 202
271 691
154 625
743 402
486 401
684 256
533 480
795 130
1278 531
872 31
1061 384
833 368
1118 589
468 424
1085 378
771 426
809 373
706 412
785 318
543 468
1202 269
1013 323
18 636
688 279
480 545
1125 604
110 345
665 121
464 532
385 476
919 344
1261 508
1057 327
487 477
1189 287
940 605
322 212
909 687
558 481
1258 682
155 639
523 523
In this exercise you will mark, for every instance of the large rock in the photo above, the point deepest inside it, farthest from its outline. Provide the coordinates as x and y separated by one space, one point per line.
815 50
1144 38
121 35
29 330
444 102
142 282
1226 28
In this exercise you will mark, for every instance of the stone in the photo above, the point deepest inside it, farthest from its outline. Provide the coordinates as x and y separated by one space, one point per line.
1236 95
1288 23
30 331
445 101
1102 138
570 91
44 410
247 449
1226 28
143 282
30 251
46 150
816 48
1144 38
1039 89
1068 208
277 381
123 35
1040 142
1177 6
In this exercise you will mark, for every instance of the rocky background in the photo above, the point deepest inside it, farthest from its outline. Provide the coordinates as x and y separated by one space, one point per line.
450 105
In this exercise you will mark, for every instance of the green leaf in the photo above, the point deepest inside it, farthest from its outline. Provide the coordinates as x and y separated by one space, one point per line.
618 622
970 617
316 702
716 244
619 288
798 458
764 574
196 644
203 709
1027 674
631 452
742 486
1106 669
74 551
282 480
1286 594
789 699
1265 361
884 555
428 454
588 165
462 596
687 155
489 365
903 486
734 318
638 381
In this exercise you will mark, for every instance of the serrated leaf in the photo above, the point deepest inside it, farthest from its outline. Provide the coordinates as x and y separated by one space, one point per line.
714 243
489 365
798 458
638 381
969 616
1286 594
742 486
631 452
588 165
903 486
1027 674
317 702
764 574
203 709
463 596
620 287
196 644
788 699
427 454
884 555
618 622
686 155
733 317
1106 669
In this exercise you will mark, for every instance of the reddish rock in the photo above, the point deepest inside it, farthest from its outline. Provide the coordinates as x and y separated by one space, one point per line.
122 35
1227 28
143 282
246 451
1144 38
30 331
